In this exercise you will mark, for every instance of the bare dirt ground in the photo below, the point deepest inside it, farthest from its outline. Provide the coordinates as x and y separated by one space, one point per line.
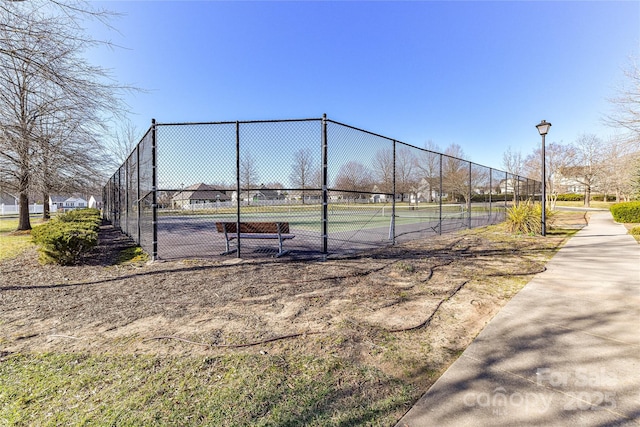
408 309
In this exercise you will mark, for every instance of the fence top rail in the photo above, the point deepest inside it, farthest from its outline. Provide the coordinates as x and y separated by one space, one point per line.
238 121
406 143
362 130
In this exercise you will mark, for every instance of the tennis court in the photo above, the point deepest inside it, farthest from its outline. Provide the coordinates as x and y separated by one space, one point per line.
350 228
183 178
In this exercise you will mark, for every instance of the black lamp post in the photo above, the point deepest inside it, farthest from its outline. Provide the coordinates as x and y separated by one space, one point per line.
543 129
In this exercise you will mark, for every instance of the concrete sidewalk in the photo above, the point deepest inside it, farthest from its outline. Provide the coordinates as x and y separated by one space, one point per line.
565 351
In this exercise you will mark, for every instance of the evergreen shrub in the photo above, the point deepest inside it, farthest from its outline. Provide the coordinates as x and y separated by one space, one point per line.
626 212
64 239
570 197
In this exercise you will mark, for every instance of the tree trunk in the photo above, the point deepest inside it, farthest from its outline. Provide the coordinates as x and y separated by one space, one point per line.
46 213
587 196
23 221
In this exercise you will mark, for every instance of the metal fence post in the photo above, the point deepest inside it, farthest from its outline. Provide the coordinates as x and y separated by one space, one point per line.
490 193
112 200
325 191
440 199
138 199
126 198
119 214
154 191
470 196
392 229
506 187
238 189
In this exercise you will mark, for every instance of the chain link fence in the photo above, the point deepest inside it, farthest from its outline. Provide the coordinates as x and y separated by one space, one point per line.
307 187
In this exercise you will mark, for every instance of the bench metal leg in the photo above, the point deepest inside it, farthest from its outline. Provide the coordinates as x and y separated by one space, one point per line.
281 252
229 250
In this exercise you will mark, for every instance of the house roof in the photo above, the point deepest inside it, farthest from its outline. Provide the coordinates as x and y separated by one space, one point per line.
75 199
63 199
6 198
57 199
267 193
200 192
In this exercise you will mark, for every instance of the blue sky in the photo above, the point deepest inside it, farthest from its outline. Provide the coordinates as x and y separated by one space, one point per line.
478 74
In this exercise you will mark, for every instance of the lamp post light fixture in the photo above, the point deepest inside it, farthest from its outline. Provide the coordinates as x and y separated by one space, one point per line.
543 129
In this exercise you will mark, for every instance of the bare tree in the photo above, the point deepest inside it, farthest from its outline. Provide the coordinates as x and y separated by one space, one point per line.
45 81
354 179
626 104
406 181
480 180
248 175
587 164
513 162
625 116
303 171
34 18
557 157
383 166
428 166
619 164
455 173
406 178
124 140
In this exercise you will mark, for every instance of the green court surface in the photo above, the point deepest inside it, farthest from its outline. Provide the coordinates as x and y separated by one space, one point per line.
340 217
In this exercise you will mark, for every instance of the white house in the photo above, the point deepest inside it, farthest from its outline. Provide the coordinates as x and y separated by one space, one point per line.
198 196
259 195
95 202
64 203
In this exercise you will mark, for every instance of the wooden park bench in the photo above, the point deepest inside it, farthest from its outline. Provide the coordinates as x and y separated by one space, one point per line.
255 230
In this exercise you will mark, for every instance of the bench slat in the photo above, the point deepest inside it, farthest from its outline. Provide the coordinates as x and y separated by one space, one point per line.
255 230
261 236
253 227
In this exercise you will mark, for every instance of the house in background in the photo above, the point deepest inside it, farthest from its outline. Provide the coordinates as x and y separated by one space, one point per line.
8 199
8 203
573 180
310 196
66 203
378 197
266 194
95 202
198 196
260 195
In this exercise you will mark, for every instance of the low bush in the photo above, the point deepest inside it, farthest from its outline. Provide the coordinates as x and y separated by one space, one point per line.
526 218
521 218
635 231
90 217
626 212
570 197
495 198
64 239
